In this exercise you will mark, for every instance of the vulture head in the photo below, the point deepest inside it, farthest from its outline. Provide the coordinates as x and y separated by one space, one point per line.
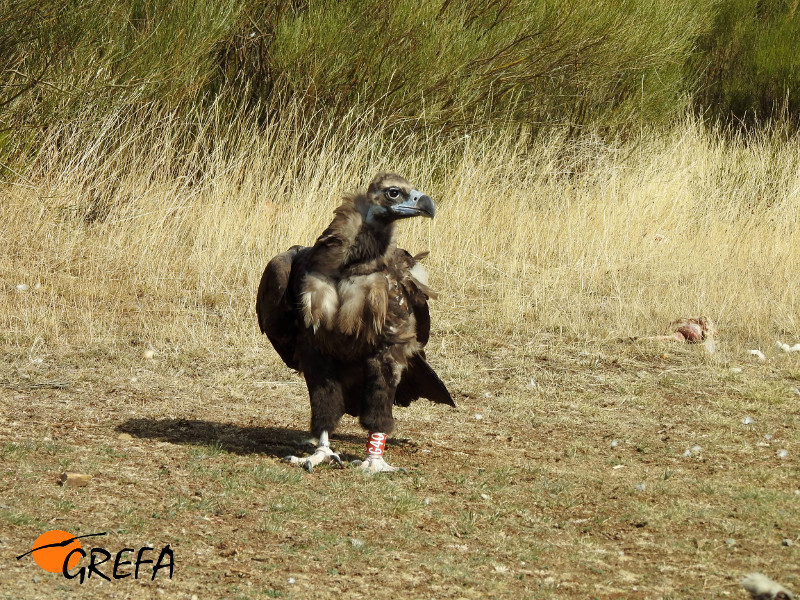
390 197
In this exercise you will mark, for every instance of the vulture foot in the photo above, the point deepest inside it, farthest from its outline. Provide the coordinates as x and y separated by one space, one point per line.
376 464
323 454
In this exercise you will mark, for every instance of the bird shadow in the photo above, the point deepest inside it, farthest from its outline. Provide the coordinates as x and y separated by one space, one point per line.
273 441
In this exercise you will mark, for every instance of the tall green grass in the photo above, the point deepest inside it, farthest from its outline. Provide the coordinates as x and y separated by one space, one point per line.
444 65
455 63
449 67
61 61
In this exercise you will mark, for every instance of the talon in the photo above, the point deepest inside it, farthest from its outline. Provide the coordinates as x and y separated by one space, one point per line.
322 454
376 464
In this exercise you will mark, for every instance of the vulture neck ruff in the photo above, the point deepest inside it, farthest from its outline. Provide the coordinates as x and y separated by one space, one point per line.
374 237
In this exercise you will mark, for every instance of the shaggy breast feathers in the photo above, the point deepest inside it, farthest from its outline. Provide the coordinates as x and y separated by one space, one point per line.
350 306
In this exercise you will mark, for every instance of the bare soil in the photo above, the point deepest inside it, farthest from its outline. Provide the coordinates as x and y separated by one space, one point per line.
569 469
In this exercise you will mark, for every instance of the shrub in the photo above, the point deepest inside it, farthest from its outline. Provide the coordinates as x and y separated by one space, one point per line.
749 61
442 64
451 63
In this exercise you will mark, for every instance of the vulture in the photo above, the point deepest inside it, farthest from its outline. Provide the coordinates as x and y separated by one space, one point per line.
351 314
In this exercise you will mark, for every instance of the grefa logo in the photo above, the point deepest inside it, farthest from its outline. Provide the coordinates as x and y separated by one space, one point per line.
59 551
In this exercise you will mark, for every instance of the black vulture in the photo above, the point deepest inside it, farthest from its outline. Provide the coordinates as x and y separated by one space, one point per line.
351 314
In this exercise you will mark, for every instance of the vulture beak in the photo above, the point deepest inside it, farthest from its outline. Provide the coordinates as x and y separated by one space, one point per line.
417 204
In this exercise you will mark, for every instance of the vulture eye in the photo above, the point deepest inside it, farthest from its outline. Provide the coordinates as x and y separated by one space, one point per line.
392 193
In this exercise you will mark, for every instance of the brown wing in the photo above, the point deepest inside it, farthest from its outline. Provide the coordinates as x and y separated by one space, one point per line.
419 380
276 305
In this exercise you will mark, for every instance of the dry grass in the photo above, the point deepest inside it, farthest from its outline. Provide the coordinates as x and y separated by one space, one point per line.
547 254
591 241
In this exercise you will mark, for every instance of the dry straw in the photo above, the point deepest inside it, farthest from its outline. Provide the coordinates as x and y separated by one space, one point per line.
141 233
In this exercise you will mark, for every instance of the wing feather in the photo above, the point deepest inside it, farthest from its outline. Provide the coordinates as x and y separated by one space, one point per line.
419 380
276 304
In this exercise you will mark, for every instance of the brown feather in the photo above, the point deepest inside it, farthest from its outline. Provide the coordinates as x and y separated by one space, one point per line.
351 313
319 300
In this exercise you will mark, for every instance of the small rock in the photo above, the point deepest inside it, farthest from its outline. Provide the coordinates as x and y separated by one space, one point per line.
125 437
641 487
478 417
148 354
614 443
787 542
730 542
758 354
747 421
22 287
485 496
290 581
736 370
782 453
356 543
74 479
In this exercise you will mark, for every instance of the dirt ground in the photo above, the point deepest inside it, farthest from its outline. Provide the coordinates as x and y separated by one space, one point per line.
569 469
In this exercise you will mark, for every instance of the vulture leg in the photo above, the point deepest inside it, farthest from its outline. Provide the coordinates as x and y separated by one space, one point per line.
381 379
327 407
323 454
374 462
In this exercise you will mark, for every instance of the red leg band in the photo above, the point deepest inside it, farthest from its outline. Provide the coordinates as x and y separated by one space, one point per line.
376 443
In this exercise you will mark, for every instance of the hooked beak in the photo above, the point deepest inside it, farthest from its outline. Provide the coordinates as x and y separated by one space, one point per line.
418 204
